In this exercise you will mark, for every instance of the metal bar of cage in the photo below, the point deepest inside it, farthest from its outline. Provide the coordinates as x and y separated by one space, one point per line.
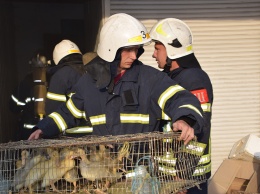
155 163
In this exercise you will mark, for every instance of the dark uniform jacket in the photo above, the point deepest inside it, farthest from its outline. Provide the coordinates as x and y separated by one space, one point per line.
132 105
62 79
22 103
193 78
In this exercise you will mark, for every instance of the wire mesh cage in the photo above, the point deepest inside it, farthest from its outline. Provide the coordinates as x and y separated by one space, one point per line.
155 163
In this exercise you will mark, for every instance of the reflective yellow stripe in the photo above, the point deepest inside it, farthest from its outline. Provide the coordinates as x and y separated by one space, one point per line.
139 38
191 107
204 159
74 51
159 30
125 118
71 94
167 158
98 120
59 121
134 118
171 91
172 171
165 116
189 48
206 107
167 170
202 170
85 129
196 148
209 145
76 112
135 39
167 128
57 97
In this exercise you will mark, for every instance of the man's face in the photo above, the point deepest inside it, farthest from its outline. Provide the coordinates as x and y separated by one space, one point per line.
160 54
128 55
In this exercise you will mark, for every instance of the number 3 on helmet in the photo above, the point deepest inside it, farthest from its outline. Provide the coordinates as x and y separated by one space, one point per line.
120 30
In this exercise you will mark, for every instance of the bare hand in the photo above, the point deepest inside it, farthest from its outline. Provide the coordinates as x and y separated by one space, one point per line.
187 132
35 135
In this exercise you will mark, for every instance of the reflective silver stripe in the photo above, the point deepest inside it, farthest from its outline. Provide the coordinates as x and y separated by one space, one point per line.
39 99
167 158
206 107
171 91
134 118
76 112
37 80
191 107
29 99
195 148
17 101
202 170
28 126
57 97
98 120
205 159
59 121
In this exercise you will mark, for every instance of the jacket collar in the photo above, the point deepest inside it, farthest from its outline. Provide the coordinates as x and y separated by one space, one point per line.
132 74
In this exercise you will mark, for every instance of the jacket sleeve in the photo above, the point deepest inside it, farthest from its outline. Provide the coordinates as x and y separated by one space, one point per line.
66 116
56 94
177 103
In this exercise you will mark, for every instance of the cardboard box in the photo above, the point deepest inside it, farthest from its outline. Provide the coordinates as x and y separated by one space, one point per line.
247 148
235 177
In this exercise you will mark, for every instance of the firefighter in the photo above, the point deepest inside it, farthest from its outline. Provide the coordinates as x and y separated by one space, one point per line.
64 74
28 98
120 95
174 54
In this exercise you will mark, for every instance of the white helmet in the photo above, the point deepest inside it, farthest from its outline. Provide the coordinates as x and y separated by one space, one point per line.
175 35
120 30
64 48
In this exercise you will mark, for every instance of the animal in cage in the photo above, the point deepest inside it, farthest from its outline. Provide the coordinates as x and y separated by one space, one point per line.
155 163
22 170
56 172
72 176
28 161
25 156
100 162
38 171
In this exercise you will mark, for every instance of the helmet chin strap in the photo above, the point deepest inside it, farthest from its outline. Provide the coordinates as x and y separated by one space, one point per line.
168 65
